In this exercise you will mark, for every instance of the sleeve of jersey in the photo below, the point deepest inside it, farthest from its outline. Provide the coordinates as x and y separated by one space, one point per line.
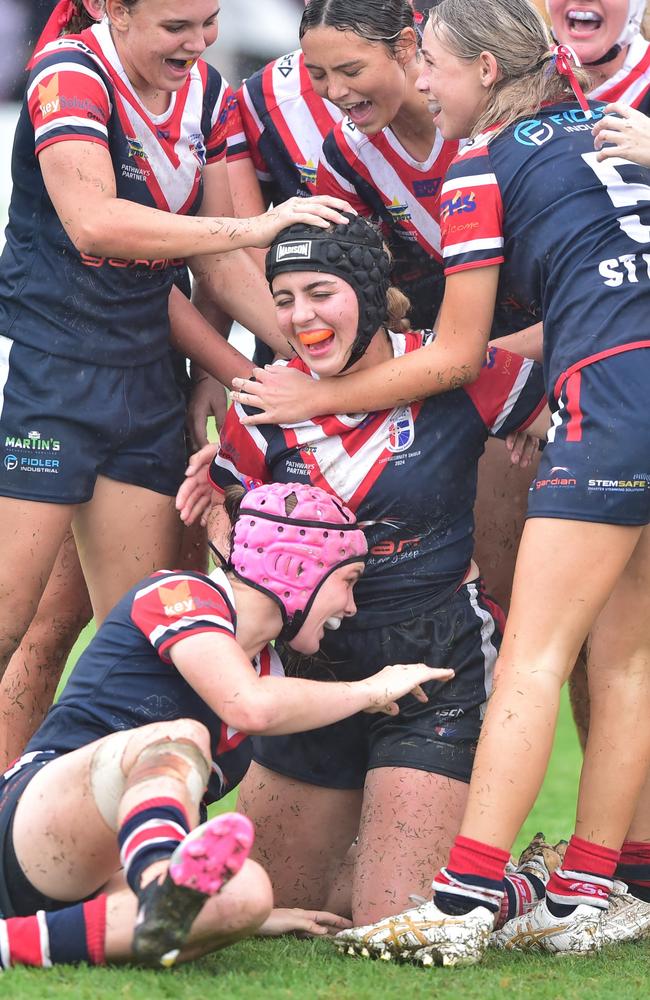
237 144
253 127
224 104
333 176
67 99
177 606
509 393
471 214
241 459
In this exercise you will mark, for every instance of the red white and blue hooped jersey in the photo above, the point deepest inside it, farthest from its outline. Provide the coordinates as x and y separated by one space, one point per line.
572 235
283 124
409 471
52 298
125 678
631 84
381 180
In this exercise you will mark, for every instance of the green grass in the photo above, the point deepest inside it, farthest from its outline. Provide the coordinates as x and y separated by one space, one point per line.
289 969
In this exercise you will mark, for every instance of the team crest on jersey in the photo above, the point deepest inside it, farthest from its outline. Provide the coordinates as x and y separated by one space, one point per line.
401 430
197 148
136 148
399 212
48 97
308 172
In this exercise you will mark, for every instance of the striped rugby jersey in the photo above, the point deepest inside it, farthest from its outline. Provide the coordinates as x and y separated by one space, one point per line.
87 308
410 472
125 677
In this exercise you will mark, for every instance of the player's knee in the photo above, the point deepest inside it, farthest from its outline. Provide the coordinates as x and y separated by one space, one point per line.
190 731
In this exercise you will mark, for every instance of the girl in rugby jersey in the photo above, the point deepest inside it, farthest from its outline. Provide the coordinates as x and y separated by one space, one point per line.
152 728
118 176
566 230
411 473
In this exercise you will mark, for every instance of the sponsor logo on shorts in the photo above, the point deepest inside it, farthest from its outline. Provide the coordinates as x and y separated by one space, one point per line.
533 132
33 442
11 463
559 476
30 464
637 485
152 265
293 251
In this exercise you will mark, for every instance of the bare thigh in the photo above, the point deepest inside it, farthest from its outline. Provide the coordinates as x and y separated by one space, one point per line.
408 822
64 846
303 833
500 513
28 687
124 533
30 536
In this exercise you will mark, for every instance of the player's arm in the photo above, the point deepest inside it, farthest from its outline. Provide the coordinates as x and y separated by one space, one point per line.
80 182
529 342
452 360
233 280
217 668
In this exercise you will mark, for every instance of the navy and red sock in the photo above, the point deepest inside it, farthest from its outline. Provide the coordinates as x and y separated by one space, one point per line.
586 877
150 832
473 877
68 936
634 868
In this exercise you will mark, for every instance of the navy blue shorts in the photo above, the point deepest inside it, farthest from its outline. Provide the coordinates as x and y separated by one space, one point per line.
439 737
596 464
63 424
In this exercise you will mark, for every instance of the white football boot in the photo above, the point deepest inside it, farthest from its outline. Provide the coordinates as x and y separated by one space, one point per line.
579 933
424 935
627 918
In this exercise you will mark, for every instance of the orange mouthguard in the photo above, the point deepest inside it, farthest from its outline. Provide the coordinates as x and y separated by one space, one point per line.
314 336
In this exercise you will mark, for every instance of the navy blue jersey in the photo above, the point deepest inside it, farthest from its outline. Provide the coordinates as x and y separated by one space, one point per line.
283 124
410 471
126 679
572 235
98 309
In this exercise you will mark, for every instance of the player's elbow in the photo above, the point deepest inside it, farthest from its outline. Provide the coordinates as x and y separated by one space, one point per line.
253 716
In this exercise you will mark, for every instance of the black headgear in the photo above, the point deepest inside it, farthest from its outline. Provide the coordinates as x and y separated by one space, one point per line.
353 251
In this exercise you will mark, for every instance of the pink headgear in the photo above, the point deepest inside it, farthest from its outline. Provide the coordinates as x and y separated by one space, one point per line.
288 553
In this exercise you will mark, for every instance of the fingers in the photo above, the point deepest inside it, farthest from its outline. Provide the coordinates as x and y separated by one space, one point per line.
318 211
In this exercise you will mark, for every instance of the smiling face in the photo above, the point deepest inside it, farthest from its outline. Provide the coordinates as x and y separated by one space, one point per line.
319 315
364 79
158 41
591 28
333 602
457 90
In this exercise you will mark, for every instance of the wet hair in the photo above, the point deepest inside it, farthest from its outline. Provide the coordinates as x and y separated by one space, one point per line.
79 21
398 307
373 20
518 38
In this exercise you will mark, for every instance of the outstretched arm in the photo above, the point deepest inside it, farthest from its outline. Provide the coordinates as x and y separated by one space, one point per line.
217 668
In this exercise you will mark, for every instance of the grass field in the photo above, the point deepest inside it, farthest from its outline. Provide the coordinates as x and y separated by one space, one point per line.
289 969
